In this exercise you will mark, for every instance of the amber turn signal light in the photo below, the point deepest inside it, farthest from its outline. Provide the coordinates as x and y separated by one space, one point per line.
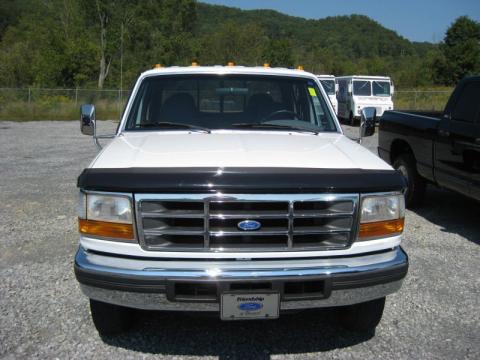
381 228
106 229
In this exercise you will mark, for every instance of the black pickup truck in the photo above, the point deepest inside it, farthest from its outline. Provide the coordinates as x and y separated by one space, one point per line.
439 148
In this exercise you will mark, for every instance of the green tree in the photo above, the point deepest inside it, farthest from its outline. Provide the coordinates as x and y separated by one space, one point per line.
110 19
242 44
162 33
460 52
45 49
279 53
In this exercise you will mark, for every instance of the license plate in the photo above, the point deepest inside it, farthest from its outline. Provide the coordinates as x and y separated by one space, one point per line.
236 306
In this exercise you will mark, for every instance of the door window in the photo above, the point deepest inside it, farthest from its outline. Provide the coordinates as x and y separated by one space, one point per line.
362 88
381 88
468 104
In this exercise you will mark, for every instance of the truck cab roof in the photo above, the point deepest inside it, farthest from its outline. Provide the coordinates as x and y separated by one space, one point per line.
221 69
368 77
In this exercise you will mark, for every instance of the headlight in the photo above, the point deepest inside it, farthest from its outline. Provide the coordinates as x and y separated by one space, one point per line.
381 215
109 208
107 216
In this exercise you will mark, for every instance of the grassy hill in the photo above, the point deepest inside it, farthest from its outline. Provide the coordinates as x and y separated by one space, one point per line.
356 35
338 45
55 37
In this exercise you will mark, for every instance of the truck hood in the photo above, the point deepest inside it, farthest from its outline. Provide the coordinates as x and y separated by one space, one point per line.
236 149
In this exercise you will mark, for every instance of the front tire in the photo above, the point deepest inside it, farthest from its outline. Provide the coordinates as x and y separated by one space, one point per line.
416 185
363 317
110 319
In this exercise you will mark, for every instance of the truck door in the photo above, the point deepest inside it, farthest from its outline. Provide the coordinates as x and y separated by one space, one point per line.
457 147
342 98
475 186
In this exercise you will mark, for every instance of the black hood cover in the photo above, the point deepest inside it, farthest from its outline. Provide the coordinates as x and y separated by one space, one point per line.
240 180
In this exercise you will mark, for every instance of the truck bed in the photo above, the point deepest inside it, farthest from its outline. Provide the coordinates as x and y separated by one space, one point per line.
420 120
433 114
415 128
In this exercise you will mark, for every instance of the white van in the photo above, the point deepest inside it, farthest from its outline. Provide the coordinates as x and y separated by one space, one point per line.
331 88
356 92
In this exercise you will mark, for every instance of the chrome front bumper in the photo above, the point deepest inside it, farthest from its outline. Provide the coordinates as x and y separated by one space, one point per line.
150 284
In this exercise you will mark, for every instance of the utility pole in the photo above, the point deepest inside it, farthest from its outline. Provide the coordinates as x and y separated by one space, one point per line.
121 61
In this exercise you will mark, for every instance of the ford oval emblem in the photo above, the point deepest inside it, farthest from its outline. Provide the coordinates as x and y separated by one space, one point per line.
249 225
250 306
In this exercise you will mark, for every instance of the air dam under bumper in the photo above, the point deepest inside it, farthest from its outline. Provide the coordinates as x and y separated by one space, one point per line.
197 285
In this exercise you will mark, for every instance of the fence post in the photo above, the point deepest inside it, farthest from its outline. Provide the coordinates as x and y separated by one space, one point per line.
76 96
415 99
29 95
119 100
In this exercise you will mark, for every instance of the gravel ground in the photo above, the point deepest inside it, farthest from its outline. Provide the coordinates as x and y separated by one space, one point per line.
44 314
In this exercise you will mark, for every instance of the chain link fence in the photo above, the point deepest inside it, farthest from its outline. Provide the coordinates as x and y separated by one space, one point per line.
63 104
59 104
422 100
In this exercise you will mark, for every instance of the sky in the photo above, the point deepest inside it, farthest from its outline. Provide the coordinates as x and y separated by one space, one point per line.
416 20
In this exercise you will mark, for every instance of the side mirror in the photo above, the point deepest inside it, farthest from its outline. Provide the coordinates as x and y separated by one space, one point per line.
87 119
367 122
350 88
336 88
392 90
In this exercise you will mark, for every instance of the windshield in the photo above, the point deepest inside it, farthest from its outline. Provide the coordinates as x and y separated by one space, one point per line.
229 102
328 86
381 88
362 88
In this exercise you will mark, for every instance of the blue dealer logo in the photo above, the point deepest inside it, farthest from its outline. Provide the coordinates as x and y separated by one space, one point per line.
249 225
250 306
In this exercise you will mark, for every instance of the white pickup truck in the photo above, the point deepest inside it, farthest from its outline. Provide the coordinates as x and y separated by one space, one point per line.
233 190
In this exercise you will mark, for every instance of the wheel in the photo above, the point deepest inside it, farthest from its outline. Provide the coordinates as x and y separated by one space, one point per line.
110 319
351 119
363 317
416 185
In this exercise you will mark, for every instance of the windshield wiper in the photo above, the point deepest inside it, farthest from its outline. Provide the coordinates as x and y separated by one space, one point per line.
272 126
174 125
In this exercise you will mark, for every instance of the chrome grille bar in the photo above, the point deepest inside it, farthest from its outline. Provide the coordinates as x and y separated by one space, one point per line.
249 216
208 222
179 214
243 233
290 224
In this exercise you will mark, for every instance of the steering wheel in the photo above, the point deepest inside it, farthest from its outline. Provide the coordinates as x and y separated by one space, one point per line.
278 112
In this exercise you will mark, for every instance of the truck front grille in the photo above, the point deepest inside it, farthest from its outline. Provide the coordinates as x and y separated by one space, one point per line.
206 222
